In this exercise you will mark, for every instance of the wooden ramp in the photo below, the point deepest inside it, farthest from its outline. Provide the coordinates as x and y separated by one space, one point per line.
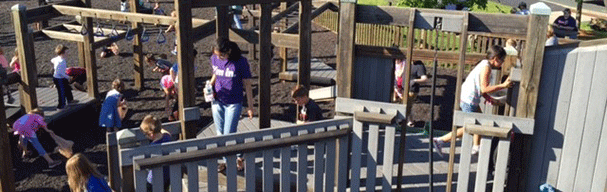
320 72
47 102
245 124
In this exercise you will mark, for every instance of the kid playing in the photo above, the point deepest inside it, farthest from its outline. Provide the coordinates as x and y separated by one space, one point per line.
170 91
26 127
309 110
60 77
152 129
160 63
82 175
113 108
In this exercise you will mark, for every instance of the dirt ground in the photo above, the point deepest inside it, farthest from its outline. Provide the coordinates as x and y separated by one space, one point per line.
32 174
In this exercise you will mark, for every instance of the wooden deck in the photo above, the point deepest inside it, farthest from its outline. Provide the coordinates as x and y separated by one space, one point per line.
243 125
320 72
415 173
47 102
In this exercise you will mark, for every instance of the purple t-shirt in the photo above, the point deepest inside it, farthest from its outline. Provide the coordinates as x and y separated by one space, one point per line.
229 76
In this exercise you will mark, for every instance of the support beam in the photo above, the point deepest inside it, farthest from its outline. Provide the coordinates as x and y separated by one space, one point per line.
223 22
345 49
201 31
417 54
200 4
27 59
115 15
46 12
66 36
293 27
7 178
463 46
409 52
185 58
305 42
138 63
278 39
89 56
265 65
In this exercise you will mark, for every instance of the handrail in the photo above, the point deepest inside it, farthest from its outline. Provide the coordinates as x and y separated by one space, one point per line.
149 163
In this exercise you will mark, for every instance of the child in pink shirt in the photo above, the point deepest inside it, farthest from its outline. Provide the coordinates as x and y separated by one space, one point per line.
15 61
26 127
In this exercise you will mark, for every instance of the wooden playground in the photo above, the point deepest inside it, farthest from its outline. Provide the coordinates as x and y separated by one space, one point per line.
366 146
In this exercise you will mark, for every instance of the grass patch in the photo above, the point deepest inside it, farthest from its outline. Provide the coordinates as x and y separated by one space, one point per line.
591 33
372 2
492 7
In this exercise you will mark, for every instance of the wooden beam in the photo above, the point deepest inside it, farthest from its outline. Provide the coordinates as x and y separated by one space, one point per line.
115 15
374 117
89 56
409 53
46 12
66 36
185 60
27 58
138 63
479 22
293 27
519 125
265 66
345 49
278 39
7 177
417 54
305 43
201 31
490 131
463 46
200 4
223 22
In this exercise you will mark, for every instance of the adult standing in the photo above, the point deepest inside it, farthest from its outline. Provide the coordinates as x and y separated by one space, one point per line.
231 74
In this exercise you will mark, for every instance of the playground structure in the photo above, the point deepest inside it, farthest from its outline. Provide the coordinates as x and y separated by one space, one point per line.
375 122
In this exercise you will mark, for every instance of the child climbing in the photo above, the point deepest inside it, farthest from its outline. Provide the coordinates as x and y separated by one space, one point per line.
26 127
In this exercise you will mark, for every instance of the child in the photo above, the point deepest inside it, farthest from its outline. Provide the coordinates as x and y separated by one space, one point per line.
170 91
5 65
160 65
112 48
26 127
309 109
113 108
60 78
77 77
82 176
152 129
417 76
15 61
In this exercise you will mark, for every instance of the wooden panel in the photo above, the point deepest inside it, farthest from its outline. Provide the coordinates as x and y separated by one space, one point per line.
519 125
345 49
372 156
25 45
249 170
212 179
302 165
140 178
418 54
268 169
579 104
593 122
285 166
305 45
342 168
355 160
464 163
192 170
265 65
482 168
319 162
330 169
501 165
388 164
599 177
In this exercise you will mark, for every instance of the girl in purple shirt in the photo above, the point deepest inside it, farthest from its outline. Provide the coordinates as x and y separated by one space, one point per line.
230 74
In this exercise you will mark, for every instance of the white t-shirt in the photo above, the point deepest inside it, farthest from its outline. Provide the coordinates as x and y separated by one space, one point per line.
59 64
471 89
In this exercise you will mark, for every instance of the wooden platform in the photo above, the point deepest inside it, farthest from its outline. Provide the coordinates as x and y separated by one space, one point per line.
47 102
243 125
320 72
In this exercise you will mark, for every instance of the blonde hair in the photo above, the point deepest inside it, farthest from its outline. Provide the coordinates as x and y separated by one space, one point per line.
79 169
16 51
150 124
118 85
60 49
37 111
549 32
511 42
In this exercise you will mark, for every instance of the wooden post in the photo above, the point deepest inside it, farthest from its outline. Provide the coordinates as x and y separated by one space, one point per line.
305 42
345 49
409 59
265 64
251 25
7 179
44 23
138 63
578 14
185 58
27 59
81 61
89 56
284 52
223 22
529 87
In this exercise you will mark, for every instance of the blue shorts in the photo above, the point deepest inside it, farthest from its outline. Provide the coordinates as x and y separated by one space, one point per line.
469 108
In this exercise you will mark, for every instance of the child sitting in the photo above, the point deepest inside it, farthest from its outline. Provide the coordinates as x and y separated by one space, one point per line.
82 176
77 77
110 49
152 129
309 110
26 127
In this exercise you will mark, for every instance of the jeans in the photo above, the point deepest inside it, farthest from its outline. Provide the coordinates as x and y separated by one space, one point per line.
63 91
35 143
226 117
469 108
237 21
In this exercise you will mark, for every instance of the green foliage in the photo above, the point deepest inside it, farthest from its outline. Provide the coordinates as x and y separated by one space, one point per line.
436 4
372 2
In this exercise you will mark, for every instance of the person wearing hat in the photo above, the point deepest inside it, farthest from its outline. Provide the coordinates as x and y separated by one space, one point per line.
565 25
523 9
60 77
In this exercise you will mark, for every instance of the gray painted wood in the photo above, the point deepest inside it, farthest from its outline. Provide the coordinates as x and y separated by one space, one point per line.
388 163
330 169
372 156
212 180
323 93
231 169
482 168
48 100
355 165
302 164
319 162
140 178
555 138
249 170
347 105
369 85
319 73
244 125
268 169
464 163
503 151
579 104
600 178
553 62
192 170
157 177
519 125
285 166
342 168
593 124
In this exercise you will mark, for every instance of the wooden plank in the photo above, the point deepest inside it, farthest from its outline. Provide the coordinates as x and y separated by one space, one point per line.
7 179
157 176
314 13
90 57
231 165
592 123
249 170
319 162
490 131
345 49
578 105
600 178
464 163
374 117
175 175
482 167
388 164
369 80
342 168
222 22
138 62
115 15
201 4
391 52
278 39
25 46
285 166
305 45
185 59
355 164
372 160
212 177
349 106
503 150
46 12
192 169
140 178
112 159
66 36
302 165
268 168
330 168
265 66
519 125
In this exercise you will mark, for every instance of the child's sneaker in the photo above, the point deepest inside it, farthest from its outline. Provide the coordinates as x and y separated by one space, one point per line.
438 145
54 164
474 150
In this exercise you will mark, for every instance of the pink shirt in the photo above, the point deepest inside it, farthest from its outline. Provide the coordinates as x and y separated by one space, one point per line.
27 125
3 62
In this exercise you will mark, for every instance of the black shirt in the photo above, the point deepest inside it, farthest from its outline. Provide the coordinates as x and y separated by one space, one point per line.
417 71
310 112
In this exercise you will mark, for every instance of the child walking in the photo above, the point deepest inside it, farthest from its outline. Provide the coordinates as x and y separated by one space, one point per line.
82 176
60 77
26 127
